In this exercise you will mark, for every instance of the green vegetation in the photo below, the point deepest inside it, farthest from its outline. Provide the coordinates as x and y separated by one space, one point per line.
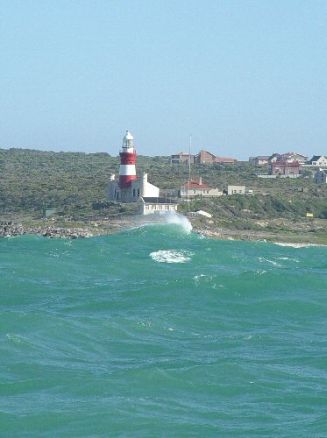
75 185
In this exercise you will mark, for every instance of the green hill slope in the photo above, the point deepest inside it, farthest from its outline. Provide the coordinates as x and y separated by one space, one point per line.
75 184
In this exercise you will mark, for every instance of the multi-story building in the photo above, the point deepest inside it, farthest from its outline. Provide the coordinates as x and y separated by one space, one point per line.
181 157
288 157
282 167
203 157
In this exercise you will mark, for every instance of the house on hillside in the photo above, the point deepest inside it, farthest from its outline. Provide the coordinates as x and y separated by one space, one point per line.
182 157
236 190
259 160
286 168
288 157
318 161
320 176
274 157
197 187
205 157
294 156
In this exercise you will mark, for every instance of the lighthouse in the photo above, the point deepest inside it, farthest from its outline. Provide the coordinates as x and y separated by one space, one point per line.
127 171
130 188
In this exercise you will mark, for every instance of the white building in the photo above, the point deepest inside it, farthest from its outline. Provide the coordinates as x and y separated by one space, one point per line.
151 205
137 189
130 188
318 161
197 187
236 190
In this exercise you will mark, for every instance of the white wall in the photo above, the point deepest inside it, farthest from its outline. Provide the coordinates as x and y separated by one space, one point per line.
236 190
158 208
148 190
184 193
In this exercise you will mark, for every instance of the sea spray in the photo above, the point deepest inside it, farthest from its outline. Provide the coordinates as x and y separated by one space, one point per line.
166 218
178 219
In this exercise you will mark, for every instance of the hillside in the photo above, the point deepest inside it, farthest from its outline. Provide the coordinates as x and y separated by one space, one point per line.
75 185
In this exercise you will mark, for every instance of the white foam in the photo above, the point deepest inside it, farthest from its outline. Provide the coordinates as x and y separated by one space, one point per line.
289 258
171 256
298 245
197 277
272 262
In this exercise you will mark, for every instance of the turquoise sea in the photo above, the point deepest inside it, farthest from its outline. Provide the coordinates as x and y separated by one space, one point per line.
159 332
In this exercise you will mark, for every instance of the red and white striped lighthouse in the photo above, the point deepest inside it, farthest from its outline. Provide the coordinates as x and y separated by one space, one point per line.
127 171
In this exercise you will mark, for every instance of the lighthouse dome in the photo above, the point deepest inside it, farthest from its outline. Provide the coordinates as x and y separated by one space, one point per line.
128 141
128 136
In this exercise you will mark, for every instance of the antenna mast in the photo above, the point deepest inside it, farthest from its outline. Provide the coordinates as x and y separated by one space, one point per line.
189 158
189 170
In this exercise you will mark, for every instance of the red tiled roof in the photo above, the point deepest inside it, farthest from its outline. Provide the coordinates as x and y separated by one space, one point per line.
195 185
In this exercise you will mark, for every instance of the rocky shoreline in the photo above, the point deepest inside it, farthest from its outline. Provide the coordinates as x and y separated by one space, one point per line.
48 231
65 231
92 229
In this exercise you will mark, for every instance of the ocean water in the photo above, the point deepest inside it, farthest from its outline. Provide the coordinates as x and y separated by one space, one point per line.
160 332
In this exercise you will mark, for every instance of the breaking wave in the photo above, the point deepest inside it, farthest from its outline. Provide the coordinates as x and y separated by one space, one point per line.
169 218
178 219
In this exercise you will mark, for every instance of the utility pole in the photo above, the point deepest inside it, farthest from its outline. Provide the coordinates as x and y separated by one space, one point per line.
189 170
189 158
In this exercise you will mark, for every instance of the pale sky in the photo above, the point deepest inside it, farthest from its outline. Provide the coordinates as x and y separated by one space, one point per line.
244 77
